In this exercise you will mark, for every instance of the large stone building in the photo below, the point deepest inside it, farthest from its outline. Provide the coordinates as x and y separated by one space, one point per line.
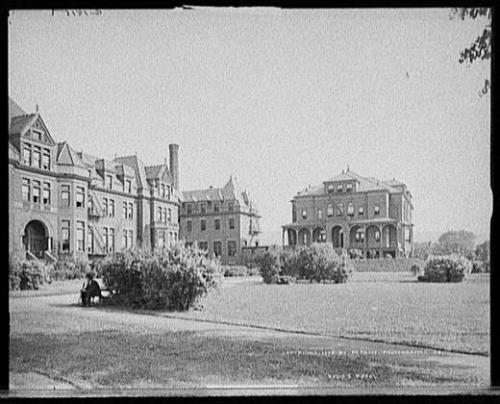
64 201
354 212
222 221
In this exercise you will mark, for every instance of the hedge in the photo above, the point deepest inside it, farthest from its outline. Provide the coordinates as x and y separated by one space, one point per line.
27 274
175 278
69 267
316 263
446 268
386 264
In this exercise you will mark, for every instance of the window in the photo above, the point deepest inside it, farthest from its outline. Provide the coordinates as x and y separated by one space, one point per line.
360 235
27 155
169 215
361 211
80 236
230 207
294 214
329 210
203 245
168 192
125 239
105 204
339 188
46 193
203 208
320 214
330 188
111 239
216 207
109 181
340 209
106 239
129 186
90 241
80 197
37 157
125 210
26 189
46 159
348 187
217 248
231 248
304 213
65 235
159 214
209 206
189 226
65 195
130 210
161 238
203 224
36 191
376 210
189 209
217 224
162 190
36 135
231 222
111 208
130 239
350 209
377 235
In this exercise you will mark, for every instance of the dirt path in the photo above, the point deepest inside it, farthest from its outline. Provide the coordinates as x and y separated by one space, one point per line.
59 315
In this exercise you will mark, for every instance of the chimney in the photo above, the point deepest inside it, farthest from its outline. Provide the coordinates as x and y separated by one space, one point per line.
174 163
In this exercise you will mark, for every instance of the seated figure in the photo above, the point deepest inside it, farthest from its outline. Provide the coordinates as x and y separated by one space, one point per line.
90 289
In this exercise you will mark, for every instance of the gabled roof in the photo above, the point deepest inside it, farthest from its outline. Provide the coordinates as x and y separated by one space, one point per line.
231 191
68 156
138 166
15 109
365 184
18 124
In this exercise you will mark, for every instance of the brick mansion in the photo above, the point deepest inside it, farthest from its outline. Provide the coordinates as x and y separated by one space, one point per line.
354 212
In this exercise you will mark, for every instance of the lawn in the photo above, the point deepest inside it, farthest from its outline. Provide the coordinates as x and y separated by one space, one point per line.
374 306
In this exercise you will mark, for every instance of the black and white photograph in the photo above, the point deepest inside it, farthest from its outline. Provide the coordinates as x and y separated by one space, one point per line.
218 201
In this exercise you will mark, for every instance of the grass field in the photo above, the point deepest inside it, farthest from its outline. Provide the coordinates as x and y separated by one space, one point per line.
375 306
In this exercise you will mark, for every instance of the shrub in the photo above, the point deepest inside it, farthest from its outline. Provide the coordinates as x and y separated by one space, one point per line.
479 267
289 263
27 274
416 269
269 263
69 267
446 268
175 278
320 262
387 264
239 270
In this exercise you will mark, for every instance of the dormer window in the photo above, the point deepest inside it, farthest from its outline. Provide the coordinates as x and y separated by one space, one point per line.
37 156
216 207
203 208
36 135
304 213
109 182
320 213
361 211
128 186
339 188
331 187
162 188
348 187
167 191
189 209
350 209
376 210
340 209
329 210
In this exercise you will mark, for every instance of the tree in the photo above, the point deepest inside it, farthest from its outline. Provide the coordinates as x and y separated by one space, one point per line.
483 251
459 242
422 250
481 47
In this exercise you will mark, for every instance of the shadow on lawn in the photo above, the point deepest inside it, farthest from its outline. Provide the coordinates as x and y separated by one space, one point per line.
116 358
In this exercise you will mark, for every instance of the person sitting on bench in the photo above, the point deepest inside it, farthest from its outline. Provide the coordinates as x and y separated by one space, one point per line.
90 289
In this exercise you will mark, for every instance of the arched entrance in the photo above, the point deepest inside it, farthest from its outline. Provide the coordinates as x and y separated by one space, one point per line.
337 237
319 235
304 237
35 238
292 237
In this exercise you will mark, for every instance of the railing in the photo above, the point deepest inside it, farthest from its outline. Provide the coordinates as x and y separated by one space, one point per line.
98 240
95 208
31 256
49 258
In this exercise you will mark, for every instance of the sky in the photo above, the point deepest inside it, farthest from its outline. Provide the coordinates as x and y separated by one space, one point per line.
281 99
